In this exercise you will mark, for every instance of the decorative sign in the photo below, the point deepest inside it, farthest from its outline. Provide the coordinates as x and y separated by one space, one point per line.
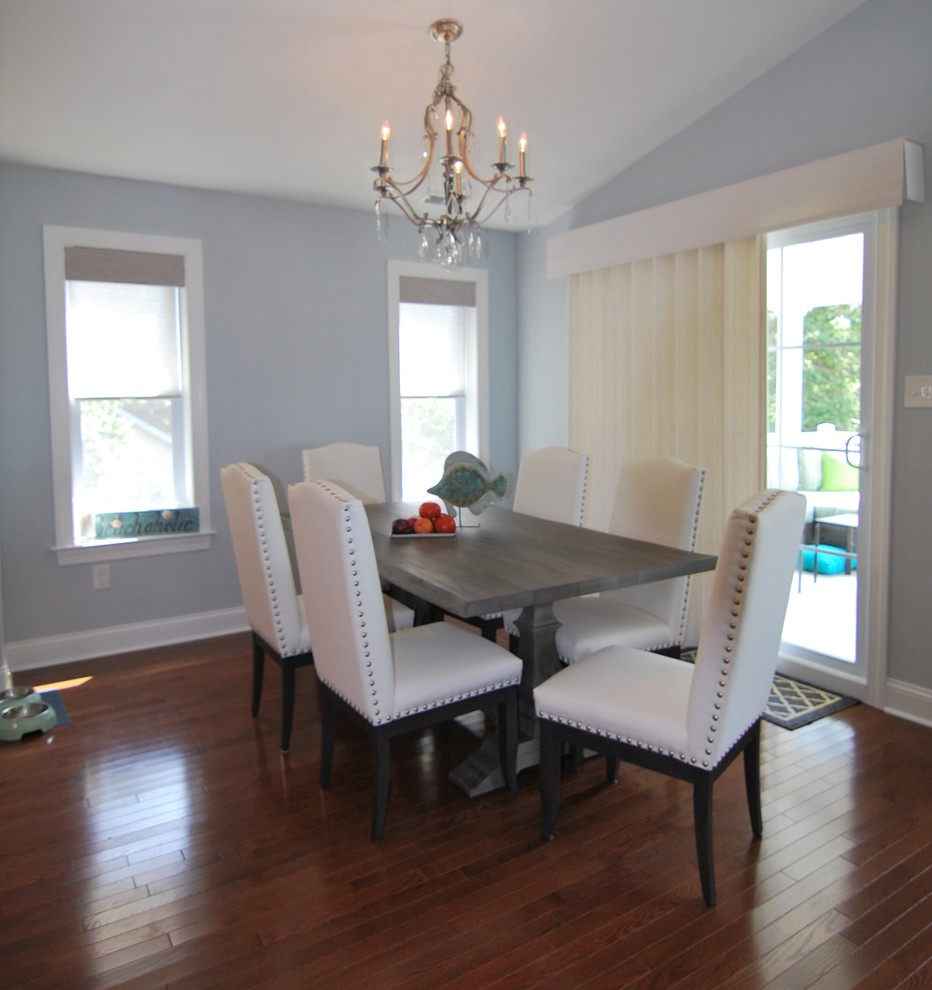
154 522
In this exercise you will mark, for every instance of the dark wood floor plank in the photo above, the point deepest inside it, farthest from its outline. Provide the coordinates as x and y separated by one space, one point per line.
170 845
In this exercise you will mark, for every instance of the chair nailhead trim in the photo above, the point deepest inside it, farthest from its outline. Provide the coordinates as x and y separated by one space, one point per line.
596 731
281 643
743 567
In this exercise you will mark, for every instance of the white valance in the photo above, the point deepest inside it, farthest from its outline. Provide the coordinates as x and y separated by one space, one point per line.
868 179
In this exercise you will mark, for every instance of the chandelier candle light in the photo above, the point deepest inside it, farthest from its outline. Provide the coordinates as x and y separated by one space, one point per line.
457 232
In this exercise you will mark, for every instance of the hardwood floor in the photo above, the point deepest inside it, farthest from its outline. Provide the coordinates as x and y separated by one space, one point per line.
161 840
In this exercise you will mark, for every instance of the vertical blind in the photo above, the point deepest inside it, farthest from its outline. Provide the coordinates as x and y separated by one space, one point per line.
667 357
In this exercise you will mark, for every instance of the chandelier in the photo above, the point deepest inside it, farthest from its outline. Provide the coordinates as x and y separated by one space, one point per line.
451 182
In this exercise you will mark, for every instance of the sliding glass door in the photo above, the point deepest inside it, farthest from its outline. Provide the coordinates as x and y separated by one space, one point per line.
821 417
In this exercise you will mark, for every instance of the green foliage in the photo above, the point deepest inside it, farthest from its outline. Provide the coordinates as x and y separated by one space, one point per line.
832 367
428 426
105 435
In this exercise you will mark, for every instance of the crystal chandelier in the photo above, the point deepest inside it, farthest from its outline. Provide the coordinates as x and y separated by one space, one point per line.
450 180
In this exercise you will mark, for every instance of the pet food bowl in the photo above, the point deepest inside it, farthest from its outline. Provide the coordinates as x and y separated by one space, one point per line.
17 696
19 720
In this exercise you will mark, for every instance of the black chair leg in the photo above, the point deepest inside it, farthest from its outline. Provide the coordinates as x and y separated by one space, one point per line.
577 758
288 685
328 727
258 669
551 748
381 751
508 740
752 782
702 812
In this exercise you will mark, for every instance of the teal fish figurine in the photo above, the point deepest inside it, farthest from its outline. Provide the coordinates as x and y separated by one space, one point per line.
468 483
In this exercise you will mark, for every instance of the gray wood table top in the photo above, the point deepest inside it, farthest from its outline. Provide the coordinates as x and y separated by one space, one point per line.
512 560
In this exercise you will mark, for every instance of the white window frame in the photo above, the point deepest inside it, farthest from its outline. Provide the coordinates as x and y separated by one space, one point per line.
55 240
477 357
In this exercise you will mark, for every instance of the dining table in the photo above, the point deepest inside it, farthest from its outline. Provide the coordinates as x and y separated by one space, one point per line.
503 560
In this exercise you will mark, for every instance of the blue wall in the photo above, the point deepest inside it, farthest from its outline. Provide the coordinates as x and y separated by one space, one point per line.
297 355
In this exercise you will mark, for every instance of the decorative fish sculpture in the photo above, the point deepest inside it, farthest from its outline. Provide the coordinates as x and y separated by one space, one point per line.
468 483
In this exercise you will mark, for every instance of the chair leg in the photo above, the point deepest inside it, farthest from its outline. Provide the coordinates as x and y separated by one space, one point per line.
611 769
508 740
752 782
702 812
550 752
381 751
288 685
258 669
328 726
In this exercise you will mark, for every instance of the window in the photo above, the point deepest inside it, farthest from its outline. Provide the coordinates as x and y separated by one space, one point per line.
814 301
439 345
126 386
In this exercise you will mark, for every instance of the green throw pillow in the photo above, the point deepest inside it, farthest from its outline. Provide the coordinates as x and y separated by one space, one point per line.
837 474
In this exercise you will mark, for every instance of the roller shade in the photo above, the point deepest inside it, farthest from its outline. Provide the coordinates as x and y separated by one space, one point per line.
437 291
91 264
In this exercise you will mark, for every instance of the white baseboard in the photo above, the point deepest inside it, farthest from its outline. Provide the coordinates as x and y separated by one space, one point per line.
909 701
50 650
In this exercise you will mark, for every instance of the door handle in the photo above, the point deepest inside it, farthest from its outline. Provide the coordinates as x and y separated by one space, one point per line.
853 452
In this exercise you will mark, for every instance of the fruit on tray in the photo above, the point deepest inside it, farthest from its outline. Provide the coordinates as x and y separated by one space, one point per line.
444 524
430 519
430 510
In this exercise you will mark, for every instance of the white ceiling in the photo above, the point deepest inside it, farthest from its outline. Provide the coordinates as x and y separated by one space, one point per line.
286 98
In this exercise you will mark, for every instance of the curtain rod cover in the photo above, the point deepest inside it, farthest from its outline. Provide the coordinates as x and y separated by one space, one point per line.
868 179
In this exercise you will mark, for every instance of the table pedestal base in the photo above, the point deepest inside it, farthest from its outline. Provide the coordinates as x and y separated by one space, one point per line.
481 772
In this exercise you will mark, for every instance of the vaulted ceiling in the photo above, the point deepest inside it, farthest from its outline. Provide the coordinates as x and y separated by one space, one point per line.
285 98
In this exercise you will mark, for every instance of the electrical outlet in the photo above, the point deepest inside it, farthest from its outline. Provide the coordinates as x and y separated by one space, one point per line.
100 576
919 391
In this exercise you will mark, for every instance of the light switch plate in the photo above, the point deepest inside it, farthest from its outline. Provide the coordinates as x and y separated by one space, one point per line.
919 391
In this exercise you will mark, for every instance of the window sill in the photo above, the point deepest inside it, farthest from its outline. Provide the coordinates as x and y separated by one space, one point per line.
99 551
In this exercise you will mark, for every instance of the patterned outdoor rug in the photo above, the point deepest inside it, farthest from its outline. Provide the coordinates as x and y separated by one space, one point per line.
794 703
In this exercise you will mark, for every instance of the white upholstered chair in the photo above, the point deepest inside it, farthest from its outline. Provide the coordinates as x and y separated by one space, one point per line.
355 467
389 683
687 721
274 609
657 500
552 484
